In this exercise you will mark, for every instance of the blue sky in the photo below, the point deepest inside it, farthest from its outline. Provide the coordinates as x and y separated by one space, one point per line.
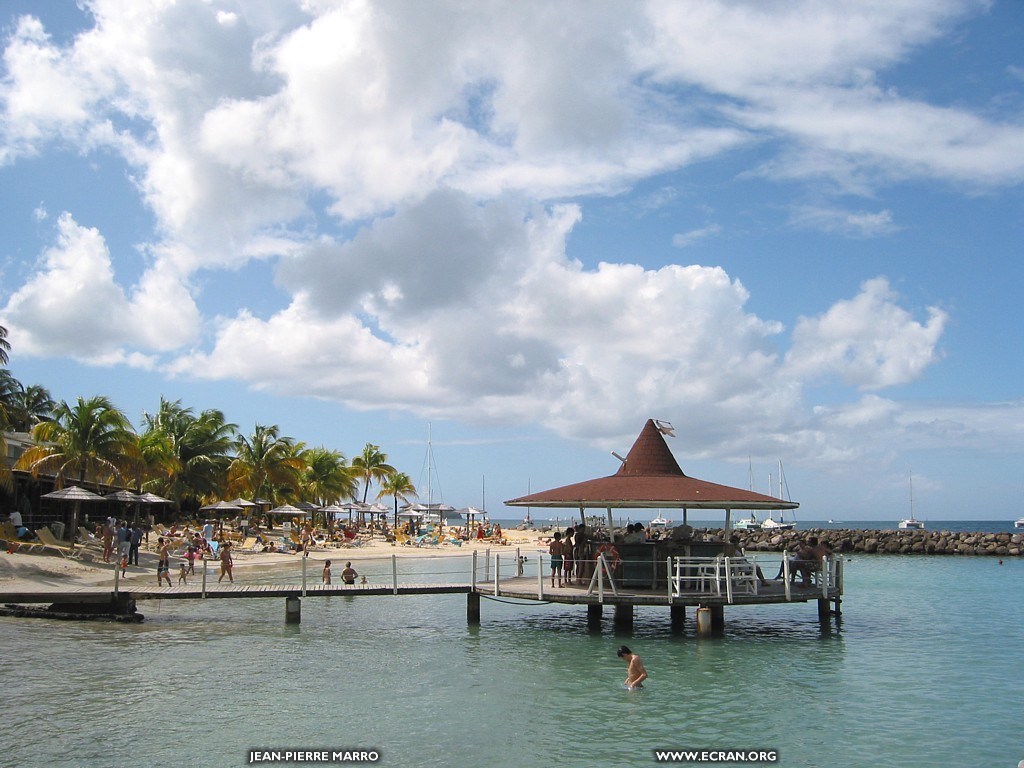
791 229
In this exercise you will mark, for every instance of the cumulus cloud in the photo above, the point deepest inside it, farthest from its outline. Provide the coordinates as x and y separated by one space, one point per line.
868 342
74 305
413 181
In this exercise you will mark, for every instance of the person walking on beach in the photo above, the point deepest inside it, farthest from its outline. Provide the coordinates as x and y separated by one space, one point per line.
635 672
183 575
327 572
163 564
134 543
226 563
555 550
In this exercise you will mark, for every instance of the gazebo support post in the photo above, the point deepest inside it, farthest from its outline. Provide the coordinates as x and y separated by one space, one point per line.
594 611
473 609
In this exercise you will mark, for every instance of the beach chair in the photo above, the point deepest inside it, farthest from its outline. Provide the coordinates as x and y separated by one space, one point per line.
251 544
63 548
14 544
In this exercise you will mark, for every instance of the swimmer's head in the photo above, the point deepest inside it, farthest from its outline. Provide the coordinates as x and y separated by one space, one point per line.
623 651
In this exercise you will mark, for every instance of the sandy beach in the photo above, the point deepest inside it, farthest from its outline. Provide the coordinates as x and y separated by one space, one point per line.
21 571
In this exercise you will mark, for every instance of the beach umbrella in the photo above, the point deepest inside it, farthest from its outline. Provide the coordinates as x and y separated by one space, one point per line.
240 502
289 510
220 506
77 495
152 498
124 496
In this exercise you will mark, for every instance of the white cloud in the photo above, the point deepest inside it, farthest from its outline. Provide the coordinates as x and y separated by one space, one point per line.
407 167
868 342
74 306
853 223
685 239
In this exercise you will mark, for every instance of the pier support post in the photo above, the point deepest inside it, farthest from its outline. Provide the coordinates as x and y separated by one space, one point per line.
703 620
623 616
594 611
292 610
677 617
718 618
473 608
824 612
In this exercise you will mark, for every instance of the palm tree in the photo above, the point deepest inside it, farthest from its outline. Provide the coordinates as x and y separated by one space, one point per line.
5 346
188 455
399 485
372 465
89 440
327 477
26 406
265 464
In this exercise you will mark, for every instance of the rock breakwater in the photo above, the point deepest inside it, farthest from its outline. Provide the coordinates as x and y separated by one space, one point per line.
893 542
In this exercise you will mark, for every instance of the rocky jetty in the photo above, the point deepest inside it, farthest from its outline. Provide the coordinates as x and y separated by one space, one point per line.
893 542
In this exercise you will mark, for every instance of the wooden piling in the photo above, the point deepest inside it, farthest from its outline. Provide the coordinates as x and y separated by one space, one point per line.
292 610
677 617
594 611
623 616
473 608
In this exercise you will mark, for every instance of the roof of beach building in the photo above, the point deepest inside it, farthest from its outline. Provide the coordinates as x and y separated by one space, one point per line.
650 477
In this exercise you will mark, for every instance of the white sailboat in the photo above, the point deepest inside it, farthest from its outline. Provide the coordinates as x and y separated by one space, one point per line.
749 523
911 523
781 524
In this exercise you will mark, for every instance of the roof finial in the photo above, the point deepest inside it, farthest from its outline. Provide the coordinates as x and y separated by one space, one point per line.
665 427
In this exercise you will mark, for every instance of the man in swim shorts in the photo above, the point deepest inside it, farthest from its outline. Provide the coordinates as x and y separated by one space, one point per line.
163 565
555 550
635 672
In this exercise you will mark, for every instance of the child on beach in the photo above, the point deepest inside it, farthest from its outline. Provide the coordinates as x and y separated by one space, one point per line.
327 572
190 555
181 574
124 563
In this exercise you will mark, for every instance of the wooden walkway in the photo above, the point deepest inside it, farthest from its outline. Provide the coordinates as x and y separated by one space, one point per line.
215 591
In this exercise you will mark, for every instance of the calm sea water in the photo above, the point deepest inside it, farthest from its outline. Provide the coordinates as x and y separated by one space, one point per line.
923 671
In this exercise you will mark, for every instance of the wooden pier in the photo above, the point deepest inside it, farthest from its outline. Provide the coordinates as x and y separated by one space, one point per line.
707 584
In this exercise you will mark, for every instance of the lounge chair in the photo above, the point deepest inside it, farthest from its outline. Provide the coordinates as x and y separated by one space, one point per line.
63 548
8 534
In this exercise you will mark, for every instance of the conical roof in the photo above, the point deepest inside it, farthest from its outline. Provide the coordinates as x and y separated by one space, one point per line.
650 478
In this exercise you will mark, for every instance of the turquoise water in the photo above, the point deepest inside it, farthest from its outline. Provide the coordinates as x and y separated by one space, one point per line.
923 671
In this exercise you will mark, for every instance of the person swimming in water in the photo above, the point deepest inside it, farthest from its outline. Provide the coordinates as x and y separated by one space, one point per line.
635 672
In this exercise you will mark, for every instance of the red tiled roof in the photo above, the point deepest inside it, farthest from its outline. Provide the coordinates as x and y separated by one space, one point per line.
650 478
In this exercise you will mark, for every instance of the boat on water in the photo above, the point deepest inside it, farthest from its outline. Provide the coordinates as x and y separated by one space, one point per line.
911 523
1019 523
748 524
659 522
781 524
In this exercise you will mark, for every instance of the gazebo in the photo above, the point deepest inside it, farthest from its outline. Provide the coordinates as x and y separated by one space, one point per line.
650 478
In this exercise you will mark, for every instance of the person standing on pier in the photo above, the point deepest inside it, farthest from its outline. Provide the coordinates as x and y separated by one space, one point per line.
555 550
163 564
327 572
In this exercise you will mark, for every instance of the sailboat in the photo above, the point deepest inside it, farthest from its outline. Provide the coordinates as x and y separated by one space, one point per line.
749 523
911 523
781 524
